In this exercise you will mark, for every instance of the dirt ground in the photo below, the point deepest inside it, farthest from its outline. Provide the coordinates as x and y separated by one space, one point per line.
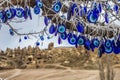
53 74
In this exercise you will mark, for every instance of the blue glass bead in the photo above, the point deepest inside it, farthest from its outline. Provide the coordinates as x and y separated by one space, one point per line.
26 13
92 17
74 8
41 38
92 47
116 7
108 43
80 27
57 6
46 20
99 8
72 39
59 40
11 32
4 19
29 13
52 29
118 43
85 10
61 28
13 10
9 14
106 18
37 43
116 49
80 40
1 14
25 37
19 12
95 42
39 4
87 44
48 37
36 10
20 40
69 14
63 36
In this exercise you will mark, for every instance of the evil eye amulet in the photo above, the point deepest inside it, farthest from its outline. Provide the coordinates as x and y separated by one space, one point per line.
19 12
61 28
95 43
9 14
63 36
80 27
87 44
1 14
52 29
92 17
36 10
116 49
108 43
72 39
80 40
39 4
57 6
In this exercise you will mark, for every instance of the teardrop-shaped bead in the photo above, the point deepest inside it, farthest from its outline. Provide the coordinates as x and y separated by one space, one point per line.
52 29
80 27
46 20
57 6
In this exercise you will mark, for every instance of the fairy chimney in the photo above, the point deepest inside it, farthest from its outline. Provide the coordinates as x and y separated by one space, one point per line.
51 46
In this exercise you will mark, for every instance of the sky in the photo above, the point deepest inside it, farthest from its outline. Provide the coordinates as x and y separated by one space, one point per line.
8 41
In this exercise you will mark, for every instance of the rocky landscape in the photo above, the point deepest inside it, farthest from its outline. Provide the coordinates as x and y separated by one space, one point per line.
32 63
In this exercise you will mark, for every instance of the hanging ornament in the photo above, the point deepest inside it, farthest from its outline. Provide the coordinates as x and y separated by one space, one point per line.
11 32
10 13
37 43
52 29
108 43
1 14
20 40
39 3
59 40
106 18
63 36
25 37
19 12
92 17
80 40
80 27
99 7
57 6
42 38
72 39
87 44
116 8
61 28
36 10
74 8
95 42
116 49
69 14
46 20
